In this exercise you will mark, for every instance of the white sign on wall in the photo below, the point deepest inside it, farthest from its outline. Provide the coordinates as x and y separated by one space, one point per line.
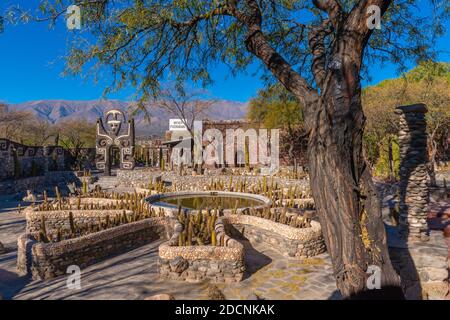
176 125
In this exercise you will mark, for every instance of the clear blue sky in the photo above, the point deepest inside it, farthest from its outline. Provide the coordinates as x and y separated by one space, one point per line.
31 61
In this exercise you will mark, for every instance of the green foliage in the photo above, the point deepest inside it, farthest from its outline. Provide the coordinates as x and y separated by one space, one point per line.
429 71
427 83
275 107
382 167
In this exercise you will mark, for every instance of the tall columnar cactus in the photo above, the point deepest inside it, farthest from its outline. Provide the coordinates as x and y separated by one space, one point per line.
72 224
213 238
43 231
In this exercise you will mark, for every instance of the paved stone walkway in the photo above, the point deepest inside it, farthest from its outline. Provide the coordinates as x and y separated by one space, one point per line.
133 275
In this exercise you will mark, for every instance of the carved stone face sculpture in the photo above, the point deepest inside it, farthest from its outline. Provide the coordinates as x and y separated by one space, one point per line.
114 119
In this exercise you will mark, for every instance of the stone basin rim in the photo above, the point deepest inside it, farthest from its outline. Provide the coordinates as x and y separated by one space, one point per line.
154 200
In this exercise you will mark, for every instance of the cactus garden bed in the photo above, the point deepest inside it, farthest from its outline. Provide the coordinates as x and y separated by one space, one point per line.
221 259
88 228
299 242
65 218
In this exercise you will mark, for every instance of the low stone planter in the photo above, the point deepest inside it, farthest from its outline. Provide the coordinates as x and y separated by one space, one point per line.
48 260
60 219
289 241
198 263
55 219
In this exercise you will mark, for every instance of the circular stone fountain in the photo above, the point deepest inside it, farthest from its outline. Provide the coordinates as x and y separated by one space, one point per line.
196 200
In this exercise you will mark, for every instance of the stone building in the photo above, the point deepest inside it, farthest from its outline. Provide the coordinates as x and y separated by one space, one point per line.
290 152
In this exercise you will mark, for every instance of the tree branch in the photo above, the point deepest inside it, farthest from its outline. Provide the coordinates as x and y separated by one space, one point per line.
258 45
316 42
333 8
356 23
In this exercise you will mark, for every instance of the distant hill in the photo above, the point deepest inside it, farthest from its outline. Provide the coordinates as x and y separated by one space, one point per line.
55 111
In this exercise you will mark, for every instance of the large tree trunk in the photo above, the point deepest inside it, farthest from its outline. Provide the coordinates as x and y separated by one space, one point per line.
341 183
346 199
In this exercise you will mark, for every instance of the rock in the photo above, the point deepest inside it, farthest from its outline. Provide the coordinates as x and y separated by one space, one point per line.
253 296
163 296
434 290
179 264
435 274
30 197
214 293
2 248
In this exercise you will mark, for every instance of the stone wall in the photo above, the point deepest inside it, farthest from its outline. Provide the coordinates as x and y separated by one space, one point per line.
198 263
299 145
141 177
48 260
60 219
18 160
414 178
422 266
289 241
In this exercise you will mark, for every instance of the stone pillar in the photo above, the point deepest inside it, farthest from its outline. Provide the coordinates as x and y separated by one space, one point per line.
414 178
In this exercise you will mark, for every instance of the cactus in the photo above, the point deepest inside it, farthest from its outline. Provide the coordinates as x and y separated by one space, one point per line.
71 223
181 241
84 187
58 195
235 207
58 235
189 235
124 217
213 238
43 232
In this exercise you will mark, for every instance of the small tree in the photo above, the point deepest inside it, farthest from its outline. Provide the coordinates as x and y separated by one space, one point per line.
275 107
74 135
428 83
187 105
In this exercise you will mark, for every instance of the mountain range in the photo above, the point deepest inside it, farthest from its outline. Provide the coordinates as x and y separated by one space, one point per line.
55 111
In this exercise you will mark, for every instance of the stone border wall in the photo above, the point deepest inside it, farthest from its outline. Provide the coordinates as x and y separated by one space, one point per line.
198 263
289 241
55 219
60 218
48 260
139 177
